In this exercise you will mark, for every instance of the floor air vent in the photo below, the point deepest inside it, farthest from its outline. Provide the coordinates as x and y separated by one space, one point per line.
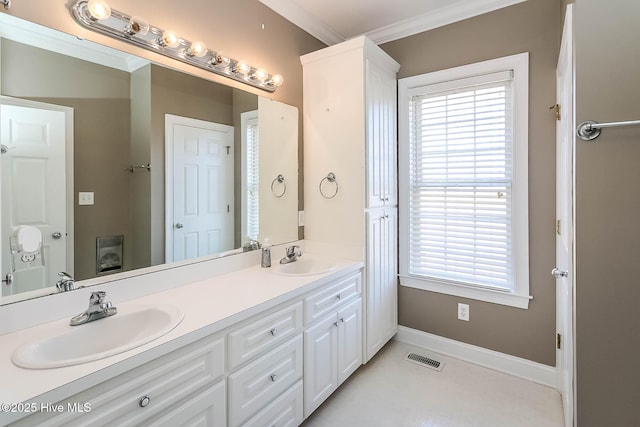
425 361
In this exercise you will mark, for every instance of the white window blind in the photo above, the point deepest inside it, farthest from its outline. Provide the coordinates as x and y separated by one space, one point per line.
461 176
253 183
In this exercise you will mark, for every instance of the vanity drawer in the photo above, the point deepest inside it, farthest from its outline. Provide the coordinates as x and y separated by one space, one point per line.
329 298
261 335
262 381
285 411
166 381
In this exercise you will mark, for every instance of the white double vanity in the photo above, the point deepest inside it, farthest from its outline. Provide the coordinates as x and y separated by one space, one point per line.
250 342
256 346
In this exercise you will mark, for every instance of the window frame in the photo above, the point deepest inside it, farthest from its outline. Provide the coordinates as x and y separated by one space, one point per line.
519 296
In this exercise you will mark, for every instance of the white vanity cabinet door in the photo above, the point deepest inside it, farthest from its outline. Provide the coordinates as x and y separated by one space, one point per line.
320 362
168 381
262 381
332 352
382 281
349 340
329 298
263 334
285 411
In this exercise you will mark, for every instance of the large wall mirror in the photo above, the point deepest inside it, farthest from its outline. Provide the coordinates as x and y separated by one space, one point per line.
112 165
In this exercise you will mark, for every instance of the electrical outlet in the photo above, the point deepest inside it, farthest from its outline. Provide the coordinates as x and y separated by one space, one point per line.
463 312
85 198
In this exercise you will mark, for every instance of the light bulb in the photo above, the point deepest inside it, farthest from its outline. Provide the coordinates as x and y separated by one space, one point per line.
260 74
99 9
137 25
242 68
277 80
220 61
169 39
198 49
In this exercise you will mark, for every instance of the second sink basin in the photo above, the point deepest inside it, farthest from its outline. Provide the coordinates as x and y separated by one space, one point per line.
306 265
99 339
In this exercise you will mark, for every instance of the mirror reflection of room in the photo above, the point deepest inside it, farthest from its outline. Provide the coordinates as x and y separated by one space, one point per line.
111 164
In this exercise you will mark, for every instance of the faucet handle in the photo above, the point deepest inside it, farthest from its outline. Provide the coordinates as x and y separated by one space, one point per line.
64 276
97 297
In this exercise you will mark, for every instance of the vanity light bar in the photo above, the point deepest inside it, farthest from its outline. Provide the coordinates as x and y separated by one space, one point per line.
137 31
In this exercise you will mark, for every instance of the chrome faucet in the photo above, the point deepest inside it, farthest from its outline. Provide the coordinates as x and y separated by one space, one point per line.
66 282
98 309
292 253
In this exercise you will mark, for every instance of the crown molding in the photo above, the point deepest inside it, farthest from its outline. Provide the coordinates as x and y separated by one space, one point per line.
295 14
438 18
458 11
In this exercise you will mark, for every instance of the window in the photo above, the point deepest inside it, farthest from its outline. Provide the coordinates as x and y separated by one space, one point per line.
250 178
463 181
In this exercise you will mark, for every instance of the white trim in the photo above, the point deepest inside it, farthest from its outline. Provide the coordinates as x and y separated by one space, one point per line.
45 38
437 18
296 14
512 365
457 289
519 63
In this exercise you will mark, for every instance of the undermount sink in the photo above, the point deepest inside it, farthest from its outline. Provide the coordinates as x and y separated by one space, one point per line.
306 265
99 339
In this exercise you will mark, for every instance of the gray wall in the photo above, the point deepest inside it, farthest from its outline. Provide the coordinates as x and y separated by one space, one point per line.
534 27
101 150
608 203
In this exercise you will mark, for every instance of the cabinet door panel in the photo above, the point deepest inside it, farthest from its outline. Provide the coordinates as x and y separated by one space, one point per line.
349 340
320 362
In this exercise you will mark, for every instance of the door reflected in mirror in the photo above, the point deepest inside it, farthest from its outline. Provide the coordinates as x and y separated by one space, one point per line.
117 149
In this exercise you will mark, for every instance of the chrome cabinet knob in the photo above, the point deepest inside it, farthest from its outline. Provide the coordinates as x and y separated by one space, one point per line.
273 332
557 273
179 225
144 401
274 377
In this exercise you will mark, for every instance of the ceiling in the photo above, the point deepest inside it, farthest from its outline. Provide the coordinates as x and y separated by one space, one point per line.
333 21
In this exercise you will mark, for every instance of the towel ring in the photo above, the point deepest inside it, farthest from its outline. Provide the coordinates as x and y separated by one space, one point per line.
331 177
279 179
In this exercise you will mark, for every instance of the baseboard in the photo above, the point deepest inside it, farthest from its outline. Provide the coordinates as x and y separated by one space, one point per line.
516 366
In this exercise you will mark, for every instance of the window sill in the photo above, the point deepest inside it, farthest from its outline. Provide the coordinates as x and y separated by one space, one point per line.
488 295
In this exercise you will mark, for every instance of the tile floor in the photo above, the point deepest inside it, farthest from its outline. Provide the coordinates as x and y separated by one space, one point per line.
392 392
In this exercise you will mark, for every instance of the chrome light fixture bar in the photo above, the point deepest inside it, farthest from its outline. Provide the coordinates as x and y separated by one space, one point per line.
98 16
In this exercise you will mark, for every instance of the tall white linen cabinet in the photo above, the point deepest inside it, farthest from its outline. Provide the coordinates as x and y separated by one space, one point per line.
350 133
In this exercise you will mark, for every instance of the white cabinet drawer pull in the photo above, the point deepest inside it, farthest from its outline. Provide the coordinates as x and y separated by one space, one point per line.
273 332
144 401
274 377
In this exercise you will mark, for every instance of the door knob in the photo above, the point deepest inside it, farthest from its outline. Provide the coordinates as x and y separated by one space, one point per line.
179 225
56 235
557 273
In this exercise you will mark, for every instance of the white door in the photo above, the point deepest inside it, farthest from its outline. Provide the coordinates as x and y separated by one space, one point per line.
36 189
563 271
199 188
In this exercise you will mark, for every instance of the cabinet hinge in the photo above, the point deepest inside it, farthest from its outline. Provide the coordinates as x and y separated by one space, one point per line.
558 232
558 341
228 147
556 107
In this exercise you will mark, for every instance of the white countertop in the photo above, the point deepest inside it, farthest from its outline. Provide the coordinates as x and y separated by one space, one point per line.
209 306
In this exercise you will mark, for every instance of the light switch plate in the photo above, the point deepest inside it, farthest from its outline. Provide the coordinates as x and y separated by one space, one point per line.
300 218
85 198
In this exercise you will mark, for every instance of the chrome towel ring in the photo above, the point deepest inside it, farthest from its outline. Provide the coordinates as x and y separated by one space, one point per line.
331 177
279 179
